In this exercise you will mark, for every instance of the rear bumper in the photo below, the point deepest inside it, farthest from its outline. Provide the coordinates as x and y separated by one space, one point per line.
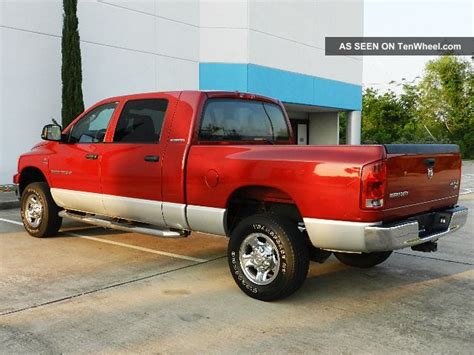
372 237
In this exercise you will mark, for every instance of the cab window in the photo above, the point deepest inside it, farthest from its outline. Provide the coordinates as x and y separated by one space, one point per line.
141 121
92 127
239 120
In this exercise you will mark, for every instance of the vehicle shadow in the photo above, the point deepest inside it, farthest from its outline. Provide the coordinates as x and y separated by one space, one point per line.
401 276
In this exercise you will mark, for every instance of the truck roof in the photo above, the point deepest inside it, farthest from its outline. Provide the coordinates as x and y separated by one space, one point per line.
208 93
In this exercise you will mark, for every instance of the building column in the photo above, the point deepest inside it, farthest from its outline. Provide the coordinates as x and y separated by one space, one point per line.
323 128
353 127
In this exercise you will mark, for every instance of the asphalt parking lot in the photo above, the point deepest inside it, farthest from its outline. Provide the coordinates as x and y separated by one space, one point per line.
95 290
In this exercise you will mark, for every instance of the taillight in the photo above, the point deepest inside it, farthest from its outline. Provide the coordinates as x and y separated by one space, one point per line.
373 179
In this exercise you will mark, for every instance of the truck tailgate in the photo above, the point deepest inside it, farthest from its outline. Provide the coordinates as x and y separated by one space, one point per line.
420 178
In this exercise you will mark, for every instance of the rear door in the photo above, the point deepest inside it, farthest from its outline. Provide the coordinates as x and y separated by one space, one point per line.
132 162
421 177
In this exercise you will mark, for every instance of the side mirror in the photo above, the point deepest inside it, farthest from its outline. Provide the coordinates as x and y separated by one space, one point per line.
51 132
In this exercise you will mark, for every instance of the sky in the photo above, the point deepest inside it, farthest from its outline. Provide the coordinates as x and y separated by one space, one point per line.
404 18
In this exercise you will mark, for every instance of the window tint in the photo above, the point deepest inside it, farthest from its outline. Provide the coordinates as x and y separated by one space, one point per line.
277 118
92 127
141 121
231 119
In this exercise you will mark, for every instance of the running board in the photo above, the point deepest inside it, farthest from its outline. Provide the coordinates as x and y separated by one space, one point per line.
134 228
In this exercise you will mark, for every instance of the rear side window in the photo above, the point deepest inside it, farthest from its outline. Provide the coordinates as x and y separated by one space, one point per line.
141 121
235 120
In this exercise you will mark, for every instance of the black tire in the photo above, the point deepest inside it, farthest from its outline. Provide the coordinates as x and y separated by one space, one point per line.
47 221
286 251
364 260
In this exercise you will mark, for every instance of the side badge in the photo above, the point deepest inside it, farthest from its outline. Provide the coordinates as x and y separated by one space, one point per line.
430 173
454 184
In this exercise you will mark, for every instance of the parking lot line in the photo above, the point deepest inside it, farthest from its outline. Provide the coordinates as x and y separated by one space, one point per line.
10 221
158 252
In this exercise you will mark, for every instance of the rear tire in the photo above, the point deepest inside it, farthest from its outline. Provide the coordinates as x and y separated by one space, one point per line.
39 212
364 260
268 257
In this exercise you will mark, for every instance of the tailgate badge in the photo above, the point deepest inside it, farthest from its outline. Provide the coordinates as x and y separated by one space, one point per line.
398 194
454 184
430 172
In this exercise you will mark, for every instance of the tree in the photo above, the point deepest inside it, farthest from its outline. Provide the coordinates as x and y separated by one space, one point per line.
440 109
71 70
386 118
446 101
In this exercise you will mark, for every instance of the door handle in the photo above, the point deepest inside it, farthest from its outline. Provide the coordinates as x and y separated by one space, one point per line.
152 158
91 156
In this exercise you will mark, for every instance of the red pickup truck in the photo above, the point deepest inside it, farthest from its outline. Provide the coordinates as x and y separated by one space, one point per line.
225 163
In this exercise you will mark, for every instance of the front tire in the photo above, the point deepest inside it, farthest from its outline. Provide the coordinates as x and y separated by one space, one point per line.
39 212
363 260
268 257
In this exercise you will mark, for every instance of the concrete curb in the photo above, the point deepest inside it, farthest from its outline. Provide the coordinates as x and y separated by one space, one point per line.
6 205
8 198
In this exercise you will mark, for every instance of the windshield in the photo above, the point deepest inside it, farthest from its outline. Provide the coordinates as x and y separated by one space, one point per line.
237 120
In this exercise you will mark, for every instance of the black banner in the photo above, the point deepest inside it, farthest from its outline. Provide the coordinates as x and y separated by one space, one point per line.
399 46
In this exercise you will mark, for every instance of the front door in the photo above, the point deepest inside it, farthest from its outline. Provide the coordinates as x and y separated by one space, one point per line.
131 163
75 169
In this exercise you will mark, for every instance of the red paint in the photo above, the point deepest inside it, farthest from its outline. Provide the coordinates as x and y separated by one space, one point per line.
212 178
323 181
409 173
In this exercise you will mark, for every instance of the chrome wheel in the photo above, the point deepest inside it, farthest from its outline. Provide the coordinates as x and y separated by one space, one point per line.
33 211
259 258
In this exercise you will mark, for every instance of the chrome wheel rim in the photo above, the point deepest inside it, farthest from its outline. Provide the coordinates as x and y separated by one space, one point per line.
33 211
259 258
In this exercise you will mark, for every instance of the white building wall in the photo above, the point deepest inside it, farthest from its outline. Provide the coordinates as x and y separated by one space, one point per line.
224 31
287 35
293 33
127 47
30 81
140 46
